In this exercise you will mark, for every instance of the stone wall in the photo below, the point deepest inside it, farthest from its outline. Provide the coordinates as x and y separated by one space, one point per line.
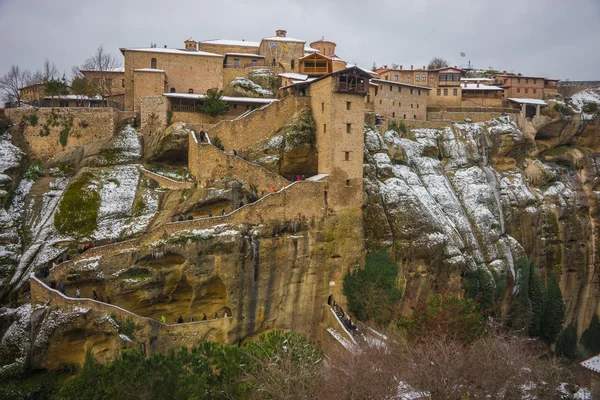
154 335
222 49
165 182
195 118
146 83
153 114
78 126
259 124
208 164
399 101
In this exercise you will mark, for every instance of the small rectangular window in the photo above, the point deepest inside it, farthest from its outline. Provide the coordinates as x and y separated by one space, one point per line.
424 78
123 82
399 89
417 106
396 78
432 79
439 92
408 79
445 92
411 106
322 107
418 92
347 182
234 105
518 90
417 77
526 90
412 91
324 128
348 103
348 127
236 62
455 92
347 156
391 88
393 115
534 91
393 103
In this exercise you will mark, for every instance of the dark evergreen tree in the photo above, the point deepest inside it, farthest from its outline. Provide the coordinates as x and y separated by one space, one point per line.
213 103
566 343
536 299
554 311
590 339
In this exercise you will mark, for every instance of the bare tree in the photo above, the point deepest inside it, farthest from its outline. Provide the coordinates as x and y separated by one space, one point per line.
102 63
12 82
437 63
395 66
48 73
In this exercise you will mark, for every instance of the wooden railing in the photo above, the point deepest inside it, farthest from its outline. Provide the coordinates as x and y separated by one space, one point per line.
315 70
260 64
480 110
183 108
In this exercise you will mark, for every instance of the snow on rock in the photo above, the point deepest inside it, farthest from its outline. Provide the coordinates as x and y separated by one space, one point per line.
246 85
10 155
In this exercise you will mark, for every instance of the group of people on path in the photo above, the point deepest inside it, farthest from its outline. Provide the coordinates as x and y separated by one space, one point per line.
180 320
345 318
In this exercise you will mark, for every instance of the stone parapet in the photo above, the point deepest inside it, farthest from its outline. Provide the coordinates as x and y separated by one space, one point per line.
165 182
208 164
258 124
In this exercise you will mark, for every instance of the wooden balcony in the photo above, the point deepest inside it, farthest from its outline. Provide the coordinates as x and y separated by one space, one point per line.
310 70
353 87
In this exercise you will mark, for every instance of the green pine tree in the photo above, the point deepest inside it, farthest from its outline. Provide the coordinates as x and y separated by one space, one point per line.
566 343
536 299
214 104
554 311
590 338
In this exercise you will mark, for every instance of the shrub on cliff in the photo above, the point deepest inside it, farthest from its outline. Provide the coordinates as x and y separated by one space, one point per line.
372 291
277 365
527 312
590 338
444 317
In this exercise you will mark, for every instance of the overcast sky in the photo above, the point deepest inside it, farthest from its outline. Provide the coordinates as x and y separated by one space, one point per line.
553 38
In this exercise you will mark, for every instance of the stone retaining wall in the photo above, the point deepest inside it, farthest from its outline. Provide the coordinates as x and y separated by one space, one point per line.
259 124
44 127
208 164
154 335
165 182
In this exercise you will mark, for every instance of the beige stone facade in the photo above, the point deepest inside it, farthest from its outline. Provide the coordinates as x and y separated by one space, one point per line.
398 100
183 71
153 113
229 46
111 83
33 93
282 51
529 87
83 126
445 83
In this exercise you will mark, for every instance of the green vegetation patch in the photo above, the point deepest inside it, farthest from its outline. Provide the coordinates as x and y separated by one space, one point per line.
31 120
372 291
78 211
557 150
590 338
34 171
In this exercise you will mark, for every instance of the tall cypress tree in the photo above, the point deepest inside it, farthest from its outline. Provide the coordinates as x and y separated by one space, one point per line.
554 311
591 336
536 299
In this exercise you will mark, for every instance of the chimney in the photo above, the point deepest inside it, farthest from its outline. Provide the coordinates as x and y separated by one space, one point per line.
455 66
165 46
411 67
280 33
423 67
477 83
401 68
504 72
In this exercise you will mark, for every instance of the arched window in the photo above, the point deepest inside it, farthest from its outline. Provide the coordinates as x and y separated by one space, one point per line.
153 63
172 90
293 63
191 91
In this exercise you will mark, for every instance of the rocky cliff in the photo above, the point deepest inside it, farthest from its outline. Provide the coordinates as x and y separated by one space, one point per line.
451 204
480 196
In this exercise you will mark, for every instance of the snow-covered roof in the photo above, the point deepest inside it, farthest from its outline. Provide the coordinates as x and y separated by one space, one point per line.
474 86
225 98
173 51
309 49
361 68
148 70
284 39
593 364
475 79
245 55
73 97
402 84
529 101
225 42
294 76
